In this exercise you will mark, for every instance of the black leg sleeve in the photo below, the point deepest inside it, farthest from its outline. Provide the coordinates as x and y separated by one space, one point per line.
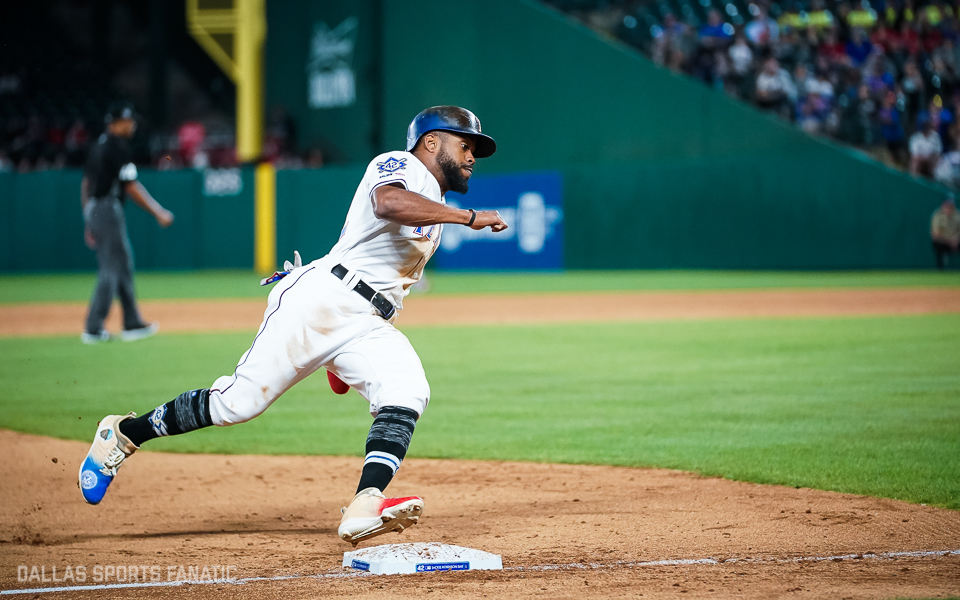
387 446
186 412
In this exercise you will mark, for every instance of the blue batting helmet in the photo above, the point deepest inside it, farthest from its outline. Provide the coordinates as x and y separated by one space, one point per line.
450 118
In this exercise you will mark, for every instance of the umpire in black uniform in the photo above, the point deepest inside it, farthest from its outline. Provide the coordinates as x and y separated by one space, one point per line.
108 178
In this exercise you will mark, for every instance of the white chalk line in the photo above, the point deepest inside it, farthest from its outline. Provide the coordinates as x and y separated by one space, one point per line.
735 560
565 567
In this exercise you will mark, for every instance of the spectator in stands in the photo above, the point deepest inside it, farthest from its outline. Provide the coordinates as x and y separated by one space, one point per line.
843 23
822 87
862 17
925 147
930 36
879 71
941 118
810 44
710 63
808 119
866 109
790 50
952 138
909 40
942 80
948 56
671 44
885 36
947 171
75 143
819 17
716 33
774 89
954 61
762 31
891 128
804 82
55 135
190 137
914 90
791 18
741 63
832 49
29 144
858 48
945 231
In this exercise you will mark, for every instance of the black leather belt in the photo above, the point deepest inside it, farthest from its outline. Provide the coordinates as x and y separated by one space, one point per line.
378 300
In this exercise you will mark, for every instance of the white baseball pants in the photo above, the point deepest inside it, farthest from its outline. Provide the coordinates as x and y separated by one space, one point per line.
314 320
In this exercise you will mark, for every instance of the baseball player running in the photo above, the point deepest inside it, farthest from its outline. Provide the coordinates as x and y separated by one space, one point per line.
338 313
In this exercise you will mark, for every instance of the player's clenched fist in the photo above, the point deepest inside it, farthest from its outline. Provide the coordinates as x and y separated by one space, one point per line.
489 218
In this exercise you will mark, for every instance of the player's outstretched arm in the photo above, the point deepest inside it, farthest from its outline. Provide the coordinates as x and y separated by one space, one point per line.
145 201
394 203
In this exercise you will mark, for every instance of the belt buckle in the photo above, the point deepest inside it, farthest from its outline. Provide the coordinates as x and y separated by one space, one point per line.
378 301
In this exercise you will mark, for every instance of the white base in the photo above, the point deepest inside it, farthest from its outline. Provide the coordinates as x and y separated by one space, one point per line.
398 559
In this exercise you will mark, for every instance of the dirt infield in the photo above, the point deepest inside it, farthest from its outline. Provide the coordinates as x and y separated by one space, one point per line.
563 531
243 315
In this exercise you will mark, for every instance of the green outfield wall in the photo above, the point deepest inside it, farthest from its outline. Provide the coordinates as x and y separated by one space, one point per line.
42 224
312 207
323 69
658 170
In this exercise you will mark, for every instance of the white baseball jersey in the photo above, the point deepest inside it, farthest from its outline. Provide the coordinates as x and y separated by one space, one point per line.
315 320
390 257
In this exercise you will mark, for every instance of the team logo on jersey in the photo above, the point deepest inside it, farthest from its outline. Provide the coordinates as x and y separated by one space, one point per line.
428 232
392 164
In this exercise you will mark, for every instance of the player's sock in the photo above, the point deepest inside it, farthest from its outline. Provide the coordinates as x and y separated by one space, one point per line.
387 444
187 412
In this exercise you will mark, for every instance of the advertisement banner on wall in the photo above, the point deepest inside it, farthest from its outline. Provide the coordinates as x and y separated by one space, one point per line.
532 206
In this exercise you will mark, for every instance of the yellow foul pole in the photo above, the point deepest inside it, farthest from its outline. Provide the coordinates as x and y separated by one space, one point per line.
265 219
234 38
250 35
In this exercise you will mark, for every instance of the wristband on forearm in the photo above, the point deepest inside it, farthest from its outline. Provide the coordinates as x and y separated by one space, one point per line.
473 217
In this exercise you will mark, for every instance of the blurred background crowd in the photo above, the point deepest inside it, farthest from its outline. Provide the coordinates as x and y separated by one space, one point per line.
59 74
881 75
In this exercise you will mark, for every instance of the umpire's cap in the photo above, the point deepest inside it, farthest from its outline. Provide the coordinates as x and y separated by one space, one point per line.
450 118
120 110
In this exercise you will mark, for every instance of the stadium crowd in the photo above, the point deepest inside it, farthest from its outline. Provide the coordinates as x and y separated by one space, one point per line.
883 75
59 73
40 143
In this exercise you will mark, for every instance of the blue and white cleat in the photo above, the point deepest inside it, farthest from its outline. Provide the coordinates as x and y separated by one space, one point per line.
110 448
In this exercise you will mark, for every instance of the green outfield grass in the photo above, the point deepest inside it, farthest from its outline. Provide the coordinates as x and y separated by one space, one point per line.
862 405
245 284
